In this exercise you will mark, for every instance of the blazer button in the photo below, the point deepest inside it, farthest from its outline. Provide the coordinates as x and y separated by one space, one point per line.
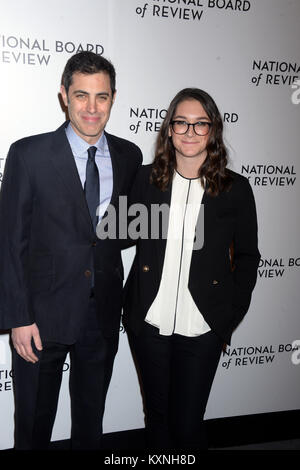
215 282
145 268
94 244
87 273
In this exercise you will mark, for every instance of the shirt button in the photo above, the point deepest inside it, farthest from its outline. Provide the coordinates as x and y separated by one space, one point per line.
87 273
145 268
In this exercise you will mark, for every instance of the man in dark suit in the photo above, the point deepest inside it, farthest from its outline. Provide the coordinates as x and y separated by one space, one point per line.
60 289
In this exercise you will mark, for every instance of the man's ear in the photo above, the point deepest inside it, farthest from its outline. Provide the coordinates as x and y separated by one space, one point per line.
114 97
64 95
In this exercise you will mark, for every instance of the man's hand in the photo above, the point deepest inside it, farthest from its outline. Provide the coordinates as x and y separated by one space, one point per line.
21 338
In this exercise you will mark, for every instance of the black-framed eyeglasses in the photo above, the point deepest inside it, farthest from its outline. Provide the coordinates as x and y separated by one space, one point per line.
200 127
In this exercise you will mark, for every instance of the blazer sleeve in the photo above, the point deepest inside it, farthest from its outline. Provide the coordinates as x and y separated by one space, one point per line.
16 201
246 255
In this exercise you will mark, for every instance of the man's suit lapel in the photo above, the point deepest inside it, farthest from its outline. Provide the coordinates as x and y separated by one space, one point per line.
118 167
62 158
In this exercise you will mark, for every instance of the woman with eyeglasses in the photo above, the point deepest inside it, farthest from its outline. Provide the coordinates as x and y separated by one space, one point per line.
194 272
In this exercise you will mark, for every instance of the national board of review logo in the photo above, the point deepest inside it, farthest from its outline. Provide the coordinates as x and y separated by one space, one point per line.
16 49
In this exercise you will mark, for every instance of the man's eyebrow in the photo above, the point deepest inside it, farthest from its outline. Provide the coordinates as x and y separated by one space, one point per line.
101 93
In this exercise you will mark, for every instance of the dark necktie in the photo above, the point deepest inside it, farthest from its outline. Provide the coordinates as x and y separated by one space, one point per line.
91 187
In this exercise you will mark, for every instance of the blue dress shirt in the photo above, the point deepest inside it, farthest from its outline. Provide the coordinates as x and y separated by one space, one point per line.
103 161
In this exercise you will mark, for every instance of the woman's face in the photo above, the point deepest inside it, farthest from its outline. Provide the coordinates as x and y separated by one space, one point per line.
190 145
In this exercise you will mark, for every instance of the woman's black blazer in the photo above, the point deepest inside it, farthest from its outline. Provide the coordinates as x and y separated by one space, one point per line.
222 273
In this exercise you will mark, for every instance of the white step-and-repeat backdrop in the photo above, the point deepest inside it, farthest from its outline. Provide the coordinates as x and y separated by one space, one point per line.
246 54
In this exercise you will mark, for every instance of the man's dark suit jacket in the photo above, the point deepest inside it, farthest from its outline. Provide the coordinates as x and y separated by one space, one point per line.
222 294
48 249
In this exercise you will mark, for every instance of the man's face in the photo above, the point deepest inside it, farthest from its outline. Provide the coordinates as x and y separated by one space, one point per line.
89 101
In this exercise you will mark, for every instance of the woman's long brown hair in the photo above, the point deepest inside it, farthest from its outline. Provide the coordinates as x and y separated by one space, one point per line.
213 170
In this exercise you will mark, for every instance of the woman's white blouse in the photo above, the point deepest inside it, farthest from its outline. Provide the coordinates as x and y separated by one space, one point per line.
173 309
